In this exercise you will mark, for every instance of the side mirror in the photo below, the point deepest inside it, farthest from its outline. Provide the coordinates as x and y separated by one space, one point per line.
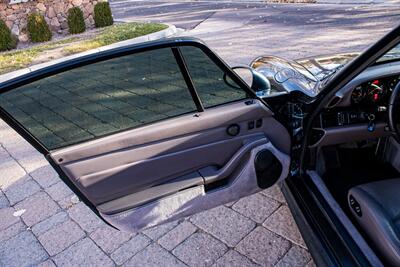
257 82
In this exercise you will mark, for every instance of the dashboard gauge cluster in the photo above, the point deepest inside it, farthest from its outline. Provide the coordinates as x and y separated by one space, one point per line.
374 92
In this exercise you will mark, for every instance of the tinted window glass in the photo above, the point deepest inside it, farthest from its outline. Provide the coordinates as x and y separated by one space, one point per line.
101 98
392 55
208 79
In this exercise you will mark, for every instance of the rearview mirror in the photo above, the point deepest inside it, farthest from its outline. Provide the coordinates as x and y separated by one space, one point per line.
257 82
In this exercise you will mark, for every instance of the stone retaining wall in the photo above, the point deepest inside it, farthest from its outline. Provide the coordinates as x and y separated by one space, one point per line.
15 13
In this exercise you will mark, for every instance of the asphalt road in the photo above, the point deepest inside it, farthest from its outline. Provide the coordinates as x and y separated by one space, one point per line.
240 31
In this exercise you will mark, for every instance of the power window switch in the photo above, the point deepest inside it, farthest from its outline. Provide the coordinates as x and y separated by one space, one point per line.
250 125
259 123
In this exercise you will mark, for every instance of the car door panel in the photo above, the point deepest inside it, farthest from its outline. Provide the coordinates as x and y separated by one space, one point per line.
106 176
195 199
141 139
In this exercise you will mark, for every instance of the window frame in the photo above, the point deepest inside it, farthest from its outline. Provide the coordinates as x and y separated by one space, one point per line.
174 44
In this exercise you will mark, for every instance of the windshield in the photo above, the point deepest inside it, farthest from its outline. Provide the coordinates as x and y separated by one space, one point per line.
392 55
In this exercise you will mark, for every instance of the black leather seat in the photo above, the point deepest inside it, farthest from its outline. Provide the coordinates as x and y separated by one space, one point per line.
376 206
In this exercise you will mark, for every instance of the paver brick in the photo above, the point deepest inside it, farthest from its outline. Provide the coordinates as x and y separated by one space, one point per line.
83 253
275 193
21 190
49 223
47 263
177 235
311 263
60 237
158 231
130 248
59 191
85 217
37 208
256 207
154 256
12 231
108 238
21 250
225 224
282 223
263 246
296 256
69 201
19 148
234 259
200 249
45 175
4 155
3 201
7 218
11 172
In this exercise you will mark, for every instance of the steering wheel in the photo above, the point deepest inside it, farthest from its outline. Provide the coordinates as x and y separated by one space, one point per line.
394 112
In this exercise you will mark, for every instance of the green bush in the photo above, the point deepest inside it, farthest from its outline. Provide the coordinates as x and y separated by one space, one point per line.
102 15
76 22
7 40
38 29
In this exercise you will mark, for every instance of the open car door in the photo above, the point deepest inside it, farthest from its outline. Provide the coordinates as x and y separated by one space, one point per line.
149 133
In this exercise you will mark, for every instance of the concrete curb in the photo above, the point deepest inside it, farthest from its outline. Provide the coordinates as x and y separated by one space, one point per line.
171 30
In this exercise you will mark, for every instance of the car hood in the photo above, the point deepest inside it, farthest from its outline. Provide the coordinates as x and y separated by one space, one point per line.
300 75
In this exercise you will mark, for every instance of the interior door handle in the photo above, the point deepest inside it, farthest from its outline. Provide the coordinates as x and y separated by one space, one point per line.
212 174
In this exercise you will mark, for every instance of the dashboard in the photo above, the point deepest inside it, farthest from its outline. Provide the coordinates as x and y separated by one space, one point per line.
358 112
366 102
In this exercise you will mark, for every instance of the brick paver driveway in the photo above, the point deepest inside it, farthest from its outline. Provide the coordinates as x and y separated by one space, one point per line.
42 222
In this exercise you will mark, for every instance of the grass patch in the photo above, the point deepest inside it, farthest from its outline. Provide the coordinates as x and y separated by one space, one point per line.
14 60
113 34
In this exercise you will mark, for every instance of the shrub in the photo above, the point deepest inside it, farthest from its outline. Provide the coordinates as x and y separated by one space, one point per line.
7 40
102 15
38 29
76 22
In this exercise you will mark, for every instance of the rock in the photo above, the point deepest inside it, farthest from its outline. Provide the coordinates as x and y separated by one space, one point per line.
59 8
89 9
41 7
9 11
11 17
9 24
15 29
21 15
54 23
23 24
51 13
77 2
89 21
23 37
64 25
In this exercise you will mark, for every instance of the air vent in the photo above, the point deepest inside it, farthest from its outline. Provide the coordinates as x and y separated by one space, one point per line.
334 101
